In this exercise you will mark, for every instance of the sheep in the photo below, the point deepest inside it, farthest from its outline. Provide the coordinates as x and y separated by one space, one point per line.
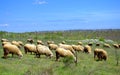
97 44
40 42
43 50
106 45
100 53
90 43
116 46
18 44
13 49
3 43
52 46
78 47
68 47
4 40
50 42
61 52
87 49
79 43
30 48
30 41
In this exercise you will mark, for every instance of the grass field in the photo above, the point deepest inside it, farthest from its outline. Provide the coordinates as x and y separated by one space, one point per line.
86 65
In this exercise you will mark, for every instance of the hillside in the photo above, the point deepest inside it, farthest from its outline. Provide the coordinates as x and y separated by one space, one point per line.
86 65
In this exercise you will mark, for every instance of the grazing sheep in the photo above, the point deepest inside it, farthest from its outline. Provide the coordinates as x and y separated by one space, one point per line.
79 43
4 40
78 47
30 41
3 43
40 42
106 45
90 43
97 44
63 42
44 50
68 47
13 49
116 46
61 52
30 48
18 44
87 49
52 46
100 53
50 42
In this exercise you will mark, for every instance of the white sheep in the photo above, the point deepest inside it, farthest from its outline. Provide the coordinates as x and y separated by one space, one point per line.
30 48
68 47
87 49
44 50
78 47
13 49
61 52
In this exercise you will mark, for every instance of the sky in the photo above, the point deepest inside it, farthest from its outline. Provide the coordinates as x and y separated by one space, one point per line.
53 15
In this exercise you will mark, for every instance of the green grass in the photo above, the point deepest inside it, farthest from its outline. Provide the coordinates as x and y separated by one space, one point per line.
29 65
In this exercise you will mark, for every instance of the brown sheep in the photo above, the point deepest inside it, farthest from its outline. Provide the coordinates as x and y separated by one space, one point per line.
87 49
43 50
100 53
13 49
61 52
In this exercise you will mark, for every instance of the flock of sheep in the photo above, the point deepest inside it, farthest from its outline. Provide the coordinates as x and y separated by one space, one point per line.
61 50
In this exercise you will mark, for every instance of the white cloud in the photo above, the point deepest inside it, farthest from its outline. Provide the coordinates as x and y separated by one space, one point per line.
4 25
40 2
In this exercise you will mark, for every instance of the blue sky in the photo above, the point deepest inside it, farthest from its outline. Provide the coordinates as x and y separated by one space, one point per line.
49 15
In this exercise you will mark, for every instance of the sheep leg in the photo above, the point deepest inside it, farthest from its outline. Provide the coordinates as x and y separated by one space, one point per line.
6 52
57 56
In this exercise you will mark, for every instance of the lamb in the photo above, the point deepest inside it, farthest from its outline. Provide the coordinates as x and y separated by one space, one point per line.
78 47
13 49
100 53
44 50
30 48
87 49
61 52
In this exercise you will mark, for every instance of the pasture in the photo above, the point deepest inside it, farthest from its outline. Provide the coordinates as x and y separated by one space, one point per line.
86 65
